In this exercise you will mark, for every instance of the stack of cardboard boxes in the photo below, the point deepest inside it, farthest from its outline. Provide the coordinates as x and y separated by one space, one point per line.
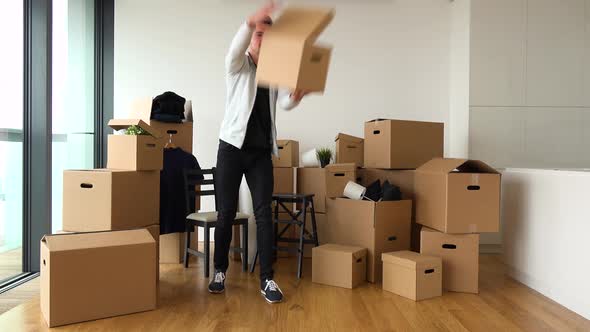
284 171
106 263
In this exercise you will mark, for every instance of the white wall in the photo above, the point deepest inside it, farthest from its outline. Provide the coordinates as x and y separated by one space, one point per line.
530 83
391 59
545 232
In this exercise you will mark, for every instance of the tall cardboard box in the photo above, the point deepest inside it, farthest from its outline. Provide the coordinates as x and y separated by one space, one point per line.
337 265
458 196
134 152
182 133
349 149
288 57
460 258
398 144
378 226
97 275
412 275
107 199
288 154
325 182
155 232
284 180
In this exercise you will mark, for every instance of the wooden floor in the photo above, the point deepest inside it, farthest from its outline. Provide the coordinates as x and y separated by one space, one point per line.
185 305
11 263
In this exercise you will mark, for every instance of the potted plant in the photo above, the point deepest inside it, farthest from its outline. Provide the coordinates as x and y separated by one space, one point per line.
324 156
135 130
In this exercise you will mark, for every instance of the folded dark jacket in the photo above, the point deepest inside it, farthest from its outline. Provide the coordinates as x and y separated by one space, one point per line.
168 107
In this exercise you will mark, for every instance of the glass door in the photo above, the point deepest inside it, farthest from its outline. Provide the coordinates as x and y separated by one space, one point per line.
11 139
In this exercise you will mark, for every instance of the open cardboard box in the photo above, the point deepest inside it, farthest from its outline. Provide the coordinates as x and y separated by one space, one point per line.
378 226
106 199
288 154
288 57
349 149
182 133
134 152
400 144
324 182
458 196
88 276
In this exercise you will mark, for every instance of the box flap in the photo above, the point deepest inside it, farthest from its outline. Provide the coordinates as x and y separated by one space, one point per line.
347 167
75 241
350 138
409 259
376 120
118 124
302 23
441 165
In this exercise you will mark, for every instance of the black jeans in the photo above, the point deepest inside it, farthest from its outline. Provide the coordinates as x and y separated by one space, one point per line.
232 163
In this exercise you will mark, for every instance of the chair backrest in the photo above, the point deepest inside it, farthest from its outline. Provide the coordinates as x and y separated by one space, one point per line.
194 181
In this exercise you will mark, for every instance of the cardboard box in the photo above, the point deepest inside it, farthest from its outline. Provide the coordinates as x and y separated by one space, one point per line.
458 196
349 149
288 57
460 258
284 180
397 144
378 226
97 275
412 275
134 152
155 233
323 229
337 265
106 199
288 154
182 133
325 182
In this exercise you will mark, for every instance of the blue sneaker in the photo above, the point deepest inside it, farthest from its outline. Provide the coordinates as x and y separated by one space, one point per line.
271 291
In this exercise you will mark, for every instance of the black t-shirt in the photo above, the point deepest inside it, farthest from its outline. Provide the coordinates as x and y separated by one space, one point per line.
258 132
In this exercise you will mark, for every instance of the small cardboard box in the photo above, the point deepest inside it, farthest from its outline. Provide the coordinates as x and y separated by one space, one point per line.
397 144
349 149
460 258
284 180
458 196
89 276
134 152
288 57
288 154
325 182
106 199
378 226
182 133
338 265
412 275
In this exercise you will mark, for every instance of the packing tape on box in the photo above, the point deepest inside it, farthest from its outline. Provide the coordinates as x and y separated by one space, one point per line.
475 179
310 159
354 191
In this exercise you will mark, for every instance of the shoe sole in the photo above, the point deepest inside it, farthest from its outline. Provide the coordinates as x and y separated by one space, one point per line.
216 292
269 301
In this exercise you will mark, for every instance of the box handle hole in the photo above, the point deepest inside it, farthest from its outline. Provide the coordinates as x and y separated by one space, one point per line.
392 238
44 263
376 132
86 185
172 132
280 148
339 174
473 187
151 145
429 271
316 57
359 260
351 146
449 246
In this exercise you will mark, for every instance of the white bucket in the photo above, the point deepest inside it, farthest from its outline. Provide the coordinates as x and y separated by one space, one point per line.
354 191
310 159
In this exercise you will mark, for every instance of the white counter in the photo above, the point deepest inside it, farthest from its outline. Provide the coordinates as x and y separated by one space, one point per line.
546 233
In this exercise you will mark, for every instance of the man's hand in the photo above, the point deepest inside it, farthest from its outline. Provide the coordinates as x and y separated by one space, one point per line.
297 95
262 15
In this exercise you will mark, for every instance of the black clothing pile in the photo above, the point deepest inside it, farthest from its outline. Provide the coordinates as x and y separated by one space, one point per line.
168 107
387 192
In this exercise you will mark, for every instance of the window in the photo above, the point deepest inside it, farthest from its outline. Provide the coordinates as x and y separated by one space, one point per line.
72 94
11 140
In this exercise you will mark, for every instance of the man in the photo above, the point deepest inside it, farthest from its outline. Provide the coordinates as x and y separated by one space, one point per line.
247 139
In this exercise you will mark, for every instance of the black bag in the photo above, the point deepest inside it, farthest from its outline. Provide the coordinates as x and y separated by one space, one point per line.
168 107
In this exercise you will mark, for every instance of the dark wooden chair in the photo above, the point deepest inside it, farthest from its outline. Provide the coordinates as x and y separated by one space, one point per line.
194 181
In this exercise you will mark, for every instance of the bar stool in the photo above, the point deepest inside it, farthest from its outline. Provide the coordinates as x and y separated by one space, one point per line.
297 219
